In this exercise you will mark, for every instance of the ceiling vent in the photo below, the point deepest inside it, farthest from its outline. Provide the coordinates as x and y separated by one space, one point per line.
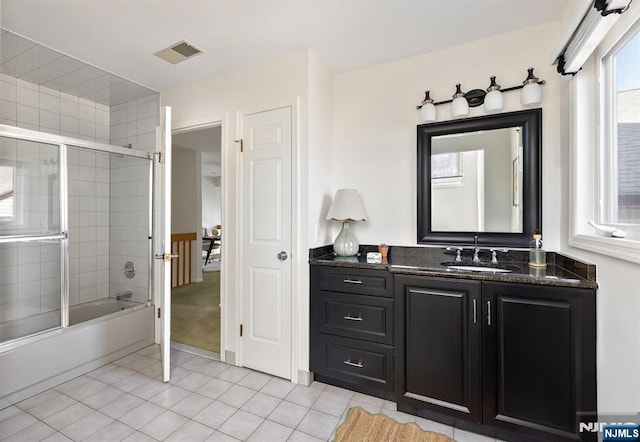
178 52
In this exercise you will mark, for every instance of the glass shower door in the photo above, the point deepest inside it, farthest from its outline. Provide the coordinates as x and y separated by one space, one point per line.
32 237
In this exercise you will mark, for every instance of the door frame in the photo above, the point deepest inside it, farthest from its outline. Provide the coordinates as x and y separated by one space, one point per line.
296 229
223 123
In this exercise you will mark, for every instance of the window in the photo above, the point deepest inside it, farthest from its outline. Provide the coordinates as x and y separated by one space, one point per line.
620 147
605 144
7 186
446 169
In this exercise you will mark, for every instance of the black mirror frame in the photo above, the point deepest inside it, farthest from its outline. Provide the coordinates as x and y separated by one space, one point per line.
531 122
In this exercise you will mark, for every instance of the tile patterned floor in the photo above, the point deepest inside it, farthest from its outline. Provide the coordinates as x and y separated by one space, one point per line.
205 400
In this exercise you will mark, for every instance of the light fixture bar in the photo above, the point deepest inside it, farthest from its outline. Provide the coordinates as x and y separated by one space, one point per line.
507 89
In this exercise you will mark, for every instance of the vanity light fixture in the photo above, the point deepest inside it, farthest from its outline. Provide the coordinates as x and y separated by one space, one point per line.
346 207
427 110
531 90
492 98
459 105
493 101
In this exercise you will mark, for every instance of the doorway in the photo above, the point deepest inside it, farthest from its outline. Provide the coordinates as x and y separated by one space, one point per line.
196 211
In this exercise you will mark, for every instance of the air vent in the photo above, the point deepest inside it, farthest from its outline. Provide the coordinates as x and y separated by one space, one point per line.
178 52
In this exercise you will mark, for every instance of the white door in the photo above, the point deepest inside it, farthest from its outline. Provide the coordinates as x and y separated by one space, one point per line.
266 241
162 238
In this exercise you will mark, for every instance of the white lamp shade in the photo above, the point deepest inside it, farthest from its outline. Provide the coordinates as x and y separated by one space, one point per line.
459 107
531 94
493 101
347 204
428 112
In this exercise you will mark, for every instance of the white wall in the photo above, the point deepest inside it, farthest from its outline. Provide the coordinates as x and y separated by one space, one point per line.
315 188
292 78
375 124
211 201
186 201
374 129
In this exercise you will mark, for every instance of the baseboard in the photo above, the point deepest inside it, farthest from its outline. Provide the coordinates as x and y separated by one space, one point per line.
230 357
305 377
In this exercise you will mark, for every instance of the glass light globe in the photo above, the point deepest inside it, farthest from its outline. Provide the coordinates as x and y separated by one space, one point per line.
532 91
428 112
531 94
459 107
493 101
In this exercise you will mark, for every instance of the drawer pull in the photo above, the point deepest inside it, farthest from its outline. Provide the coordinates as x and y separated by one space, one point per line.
352 281
475 318
354 364
353 318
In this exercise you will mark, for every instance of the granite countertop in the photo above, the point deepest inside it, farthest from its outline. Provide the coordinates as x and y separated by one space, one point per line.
561 270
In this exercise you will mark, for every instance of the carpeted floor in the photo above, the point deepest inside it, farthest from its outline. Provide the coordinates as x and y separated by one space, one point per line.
195 313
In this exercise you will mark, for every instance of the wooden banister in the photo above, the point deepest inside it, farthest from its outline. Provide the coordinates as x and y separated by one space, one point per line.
181 245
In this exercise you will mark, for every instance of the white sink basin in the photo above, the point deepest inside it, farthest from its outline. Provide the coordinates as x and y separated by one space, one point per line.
468 268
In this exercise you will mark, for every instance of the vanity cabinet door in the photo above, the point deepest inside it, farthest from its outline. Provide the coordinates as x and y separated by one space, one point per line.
539 358
438 346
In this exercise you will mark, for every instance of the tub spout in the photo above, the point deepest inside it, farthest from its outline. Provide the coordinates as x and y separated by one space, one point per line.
124 295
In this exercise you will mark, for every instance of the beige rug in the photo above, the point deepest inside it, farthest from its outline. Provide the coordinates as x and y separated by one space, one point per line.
361 426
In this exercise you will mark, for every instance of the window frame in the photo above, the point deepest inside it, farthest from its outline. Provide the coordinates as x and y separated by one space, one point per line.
608 148
589 158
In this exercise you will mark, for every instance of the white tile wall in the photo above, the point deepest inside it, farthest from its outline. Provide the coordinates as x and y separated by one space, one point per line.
88 242
29 279
135 123
131 123
108 199
129 221
27 105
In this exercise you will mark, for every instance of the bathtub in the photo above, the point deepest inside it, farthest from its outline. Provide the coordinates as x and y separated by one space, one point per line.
99 332
96 309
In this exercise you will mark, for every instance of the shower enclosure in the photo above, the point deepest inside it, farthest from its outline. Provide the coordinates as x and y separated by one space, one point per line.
75 231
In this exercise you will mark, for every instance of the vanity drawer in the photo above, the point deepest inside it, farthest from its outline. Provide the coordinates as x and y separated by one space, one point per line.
357 362
360 281
356 316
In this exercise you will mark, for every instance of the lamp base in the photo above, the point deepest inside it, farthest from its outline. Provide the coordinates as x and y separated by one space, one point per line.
345 244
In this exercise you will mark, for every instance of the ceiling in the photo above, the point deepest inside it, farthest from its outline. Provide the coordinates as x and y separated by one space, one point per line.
120 36
33 62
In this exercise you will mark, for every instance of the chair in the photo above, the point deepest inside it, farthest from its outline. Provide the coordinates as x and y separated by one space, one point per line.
211 242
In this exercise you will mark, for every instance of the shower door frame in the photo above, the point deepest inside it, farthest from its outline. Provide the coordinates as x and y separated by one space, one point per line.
63 143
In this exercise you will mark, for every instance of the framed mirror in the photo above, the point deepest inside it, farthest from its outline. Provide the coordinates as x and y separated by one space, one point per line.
481 177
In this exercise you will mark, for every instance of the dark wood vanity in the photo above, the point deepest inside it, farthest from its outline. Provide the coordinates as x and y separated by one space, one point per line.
510 355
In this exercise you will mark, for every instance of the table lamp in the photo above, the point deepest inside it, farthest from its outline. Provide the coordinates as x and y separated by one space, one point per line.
346 207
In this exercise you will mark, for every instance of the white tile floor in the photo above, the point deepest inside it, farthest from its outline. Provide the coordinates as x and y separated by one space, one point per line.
205 400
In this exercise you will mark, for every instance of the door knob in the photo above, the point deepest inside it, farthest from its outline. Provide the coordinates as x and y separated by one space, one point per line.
282 256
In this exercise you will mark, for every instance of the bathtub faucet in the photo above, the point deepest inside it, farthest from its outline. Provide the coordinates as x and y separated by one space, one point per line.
124 295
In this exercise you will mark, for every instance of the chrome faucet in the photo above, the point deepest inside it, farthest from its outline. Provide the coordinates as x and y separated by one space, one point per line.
124 295
458 252
475 249
494 254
